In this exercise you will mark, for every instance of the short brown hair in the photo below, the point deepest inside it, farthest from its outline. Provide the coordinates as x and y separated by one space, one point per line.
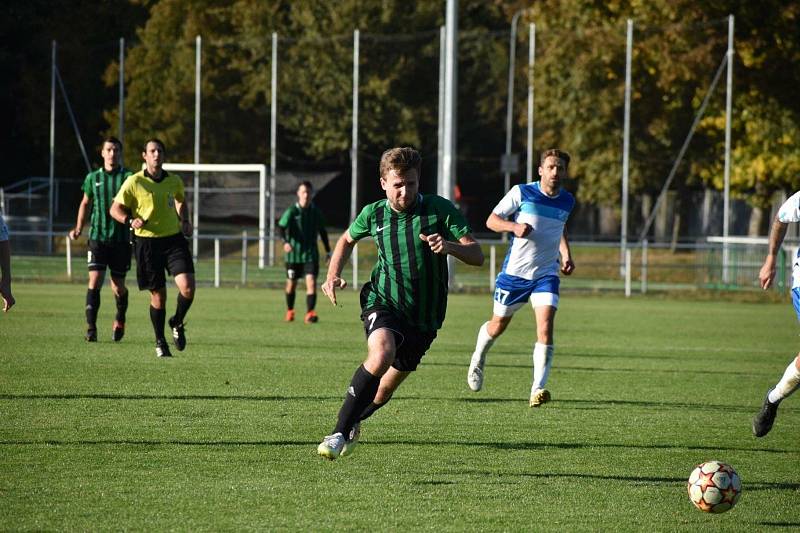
555 152
401 160
113 140
155 140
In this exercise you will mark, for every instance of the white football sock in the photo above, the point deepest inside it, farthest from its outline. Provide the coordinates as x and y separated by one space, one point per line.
483 344
542 360
787 385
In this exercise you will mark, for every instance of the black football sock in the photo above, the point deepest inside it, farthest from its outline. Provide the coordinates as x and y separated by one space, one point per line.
311 301
92 306
122 306
290 300
371 408
181 309
158 317
360 394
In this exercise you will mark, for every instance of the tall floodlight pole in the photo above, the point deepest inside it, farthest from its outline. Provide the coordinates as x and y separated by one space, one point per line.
273 160
440 129
450 104
531 62
196 192
450 117
626 133
354 133
728 110
121 131
512 52
52 147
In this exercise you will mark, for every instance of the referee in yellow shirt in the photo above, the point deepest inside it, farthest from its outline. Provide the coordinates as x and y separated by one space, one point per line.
152 203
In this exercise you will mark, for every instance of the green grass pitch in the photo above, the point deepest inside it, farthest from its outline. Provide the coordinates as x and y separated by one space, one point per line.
223 436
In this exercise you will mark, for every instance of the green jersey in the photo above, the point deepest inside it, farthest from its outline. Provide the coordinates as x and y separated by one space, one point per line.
300 226
409 278
101 187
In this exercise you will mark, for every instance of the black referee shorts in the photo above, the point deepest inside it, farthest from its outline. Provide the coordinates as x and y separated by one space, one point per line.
297 270
411 343
154 255
115 256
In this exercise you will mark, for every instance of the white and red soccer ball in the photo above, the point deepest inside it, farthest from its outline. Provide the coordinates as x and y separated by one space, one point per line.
714 487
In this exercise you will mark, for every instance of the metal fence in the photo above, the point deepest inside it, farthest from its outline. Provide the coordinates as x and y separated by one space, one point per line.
232 260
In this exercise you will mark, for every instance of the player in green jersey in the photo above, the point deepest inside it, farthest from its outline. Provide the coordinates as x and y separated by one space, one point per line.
299 226
404 303
109 241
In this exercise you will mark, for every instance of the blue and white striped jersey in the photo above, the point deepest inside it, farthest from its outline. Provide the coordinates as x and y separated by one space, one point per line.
790 212
535 255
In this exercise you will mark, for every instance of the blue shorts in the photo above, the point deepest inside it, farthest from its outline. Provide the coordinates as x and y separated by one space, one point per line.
796 301
511 292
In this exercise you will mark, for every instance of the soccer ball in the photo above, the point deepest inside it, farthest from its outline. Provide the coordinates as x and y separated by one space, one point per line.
714 487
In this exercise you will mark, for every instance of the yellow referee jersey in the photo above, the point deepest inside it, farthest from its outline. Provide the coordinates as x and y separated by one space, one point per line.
153 202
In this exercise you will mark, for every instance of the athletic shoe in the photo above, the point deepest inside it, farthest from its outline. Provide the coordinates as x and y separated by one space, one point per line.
178 334
162 348
118 331
331 446
289 315
311 317
763 421
539 396
91 335
475 373
352 440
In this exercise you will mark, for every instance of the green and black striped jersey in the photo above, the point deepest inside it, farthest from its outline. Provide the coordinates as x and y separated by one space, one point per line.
409 278
301 225
101 187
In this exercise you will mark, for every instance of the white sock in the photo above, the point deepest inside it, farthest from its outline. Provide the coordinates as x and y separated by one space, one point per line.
483 344
542 360
787 385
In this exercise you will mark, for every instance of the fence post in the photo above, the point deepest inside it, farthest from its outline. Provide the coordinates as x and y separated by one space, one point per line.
644 266
627 272
216 262
355 267
69 258
244 257
492 268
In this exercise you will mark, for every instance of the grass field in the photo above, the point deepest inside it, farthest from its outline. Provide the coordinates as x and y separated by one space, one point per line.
223 436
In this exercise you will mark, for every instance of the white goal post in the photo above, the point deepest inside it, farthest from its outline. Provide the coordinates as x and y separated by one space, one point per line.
262 196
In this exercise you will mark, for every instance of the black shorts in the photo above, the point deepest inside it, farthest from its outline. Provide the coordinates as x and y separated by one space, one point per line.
156 254
411 343
116 256
297 270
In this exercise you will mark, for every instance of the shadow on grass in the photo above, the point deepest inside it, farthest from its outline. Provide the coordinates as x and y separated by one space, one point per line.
191 397
598 404
565 368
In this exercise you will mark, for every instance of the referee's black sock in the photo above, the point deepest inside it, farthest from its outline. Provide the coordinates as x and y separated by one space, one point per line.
311 301
182 308
158 317
360 394
122 306
290 300
92 306
371 408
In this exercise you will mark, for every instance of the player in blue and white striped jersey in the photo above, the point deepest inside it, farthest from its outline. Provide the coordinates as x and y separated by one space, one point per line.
536 215
788 213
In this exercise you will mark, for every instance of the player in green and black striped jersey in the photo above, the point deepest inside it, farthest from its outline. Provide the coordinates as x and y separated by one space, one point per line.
299 226
404 303
109 241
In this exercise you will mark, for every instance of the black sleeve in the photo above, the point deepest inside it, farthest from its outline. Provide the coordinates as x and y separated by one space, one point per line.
323 234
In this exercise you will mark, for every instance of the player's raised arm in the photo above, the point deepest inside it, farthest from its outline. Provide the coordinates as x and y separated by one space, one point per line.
500 225
341 253
466 250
